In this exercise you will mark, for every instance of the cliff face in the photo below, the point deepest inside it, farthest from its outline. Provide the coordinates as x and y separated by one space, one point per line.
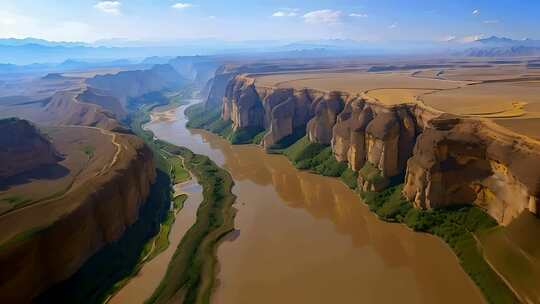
99 212
23 148
443 159
459 161
129 84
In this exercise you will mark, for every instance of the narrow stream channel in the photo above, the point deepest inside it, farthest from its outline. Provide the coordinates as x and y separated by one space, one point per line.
142 286
304 238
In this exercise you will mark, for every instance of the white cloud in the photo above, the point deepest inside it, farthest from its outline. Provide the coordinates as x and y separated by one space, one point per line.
358 15
325 16
181 5
449 38
393 26
476 12
491 21
471 38
21 26
109 7
284 14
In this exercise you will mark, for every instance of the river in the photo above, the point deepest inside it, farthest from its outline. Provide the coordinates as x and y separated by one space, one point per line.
305 238
142 286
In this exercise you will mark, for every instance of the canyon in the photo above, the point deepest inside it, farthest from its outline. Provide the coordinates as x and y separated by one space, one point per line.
385 124
46 239
444 159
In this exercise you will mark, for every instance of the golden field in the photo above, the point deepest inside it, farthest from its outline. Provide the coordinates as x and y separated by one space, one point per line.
508 92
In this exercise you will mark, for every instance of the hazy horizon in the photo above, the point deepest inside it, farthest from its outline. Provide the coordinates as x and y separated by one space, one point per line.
169 21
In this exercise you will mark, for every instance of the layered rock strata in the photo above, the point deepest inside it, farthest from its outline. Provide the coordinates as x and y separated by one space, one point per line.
73 227
443 159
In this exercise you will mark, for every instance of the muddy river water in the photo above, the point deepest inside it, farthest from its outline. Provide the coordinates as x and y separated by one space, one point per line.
304 238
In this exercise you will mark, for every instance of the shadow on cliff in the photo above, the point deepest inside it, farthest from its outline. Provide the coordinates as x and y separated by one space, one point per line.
47 172
116 261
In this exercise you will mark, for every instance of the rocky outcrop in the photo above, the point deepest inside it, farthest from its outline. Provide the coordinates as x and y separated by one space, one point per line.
282 112
443 160
243 106
327 108
93 215
23 148
370 133
460 161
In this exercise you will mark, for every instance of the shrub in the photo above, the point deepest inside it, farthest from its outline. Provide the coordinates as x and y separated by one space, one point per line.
350 177
244 135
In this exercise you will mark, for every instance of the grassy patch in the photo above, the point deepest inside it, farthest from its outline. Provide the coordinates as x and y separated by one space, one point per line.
303 150
371 173
259 137
244 136
192 269
221 127
326 164
389 205
210 120
178 173
287 141
200 118
350 178
162 238
178 202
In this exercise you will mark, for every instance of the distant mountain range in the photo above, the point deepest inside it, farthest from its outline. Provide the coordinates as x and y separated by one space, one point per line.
31 50
502 47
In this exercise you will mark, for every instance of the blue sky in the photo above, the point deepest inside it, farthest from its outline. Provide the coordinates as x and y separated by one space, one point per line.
380 20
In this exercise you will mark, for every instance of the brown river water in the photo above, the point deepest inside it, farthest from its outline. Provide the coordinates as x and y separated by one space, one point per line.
304 238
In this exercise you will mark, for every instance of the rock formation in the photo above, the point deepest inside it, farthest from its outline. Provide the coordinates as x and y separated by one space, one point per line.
23 148
443 159
458 161
82 222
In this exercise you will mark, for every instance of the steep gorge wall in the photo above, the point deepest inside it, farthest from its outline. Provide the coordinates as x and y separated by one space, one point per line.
99 212
443 159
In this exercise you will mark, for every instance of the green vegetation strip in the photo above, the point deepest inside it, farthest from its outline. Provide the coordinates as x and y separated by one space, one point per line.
210 120
178 173
192 269
455 226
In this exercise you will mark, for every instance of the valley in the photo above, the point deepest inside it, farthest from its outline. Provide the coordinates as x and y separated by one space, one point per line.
313 182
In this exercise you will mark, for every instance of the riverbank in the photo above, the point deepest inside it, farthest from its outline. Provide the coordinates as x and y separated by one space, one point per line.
191 273
455 226
187 265
307 238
